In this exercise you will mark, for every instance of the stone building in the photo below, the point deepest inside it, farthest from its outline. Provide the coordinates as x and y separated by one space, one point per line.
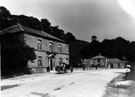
48 49
116 63
99 61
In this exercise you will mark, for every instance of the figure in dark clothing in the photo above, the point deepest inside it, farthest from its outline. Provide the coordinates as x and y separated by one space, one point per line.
65 67
83 66
48 69
71 69
96 66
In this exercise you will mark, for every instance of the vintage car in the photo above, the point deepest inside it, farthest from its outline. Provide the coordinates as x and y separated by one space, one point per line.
63 68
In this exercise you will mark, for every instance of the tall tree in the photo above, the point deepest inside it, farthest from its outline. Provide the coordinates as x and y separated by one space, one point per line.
107 47
5 16
132 51
93 38
132 55
15 55
92 49
46 25
26 21
69 37
95 46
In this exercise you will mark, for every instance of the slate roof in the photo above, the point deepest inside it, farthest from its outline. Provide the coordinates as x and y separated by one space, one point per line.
98 57
20 28
85 61
114 60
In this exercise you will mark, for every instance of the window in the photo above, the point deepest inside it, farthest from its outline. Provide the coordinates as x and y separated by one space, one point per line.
39 44
60 48
67 46
98 60
32 61
40 61
20 37
60 61
50 46
67 59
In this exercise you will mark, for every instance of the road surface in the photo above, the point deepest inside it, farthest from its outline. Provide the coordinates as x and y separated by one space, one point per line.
88 83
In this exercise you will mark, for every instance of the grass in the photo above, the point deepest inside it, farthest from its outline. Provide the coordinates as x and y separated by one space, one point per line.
7 87
119 91
42 94
130 75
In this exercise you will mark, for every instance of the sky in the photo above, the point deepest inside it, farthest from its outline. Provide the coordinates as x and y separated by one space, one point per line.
106 19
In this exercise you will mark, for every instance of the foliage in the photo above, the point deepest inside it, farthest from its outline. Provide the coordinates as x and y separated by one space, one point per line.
15 55
57 32
113 48
116 48
94 38
75 51
46 25
8 19
92 49
69 37
4 18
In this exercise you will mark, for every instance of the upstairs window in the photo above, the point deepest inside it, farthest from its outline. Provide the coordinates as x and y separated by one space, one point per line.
39 44
50 46
20 37
60 47
32 61
40 61
98 60
67 59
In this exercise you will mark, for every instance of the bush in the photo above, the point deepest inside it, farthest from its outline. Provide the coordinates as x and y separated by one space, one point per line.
14 55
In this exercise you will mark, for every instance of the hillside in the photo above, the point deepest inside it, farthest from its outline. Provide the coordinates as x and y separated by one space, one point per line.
76 47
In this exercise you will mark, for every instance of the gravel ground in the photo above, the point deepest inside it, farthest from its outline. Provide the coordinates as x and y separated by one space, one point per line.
119 91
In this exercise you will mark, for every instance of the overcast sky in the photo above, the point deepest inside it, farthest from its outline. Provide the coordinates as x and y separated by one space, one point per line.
106 19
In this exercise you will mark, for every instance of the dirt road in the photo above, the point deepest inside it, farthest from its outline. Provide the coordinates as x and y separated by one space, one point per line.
89 83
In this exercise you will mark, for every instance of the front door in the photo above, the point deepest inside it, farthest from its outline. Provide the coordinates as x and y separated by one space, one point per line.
51 63
111 65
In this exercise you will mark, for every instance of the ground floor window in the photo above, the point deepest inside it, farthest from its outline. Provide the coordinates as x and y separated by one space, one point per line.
67 59
40 61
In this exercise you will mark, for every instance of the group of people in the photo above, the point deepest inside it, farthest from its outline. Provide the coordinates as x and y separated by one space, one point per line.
63 67
85 66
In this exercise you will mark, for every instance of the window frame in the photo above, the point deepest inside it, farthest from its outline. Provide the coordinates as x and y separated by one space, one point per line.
40 61
60 48
39 44
51 46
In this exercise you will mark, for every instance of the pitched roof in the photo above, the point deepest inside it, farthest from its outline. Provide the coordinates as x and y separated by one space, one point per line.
114 60
19 28
98 57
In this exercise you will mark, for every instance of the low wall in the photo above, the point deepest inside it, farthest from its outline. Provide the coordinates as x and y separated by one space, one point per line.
130 75
39 69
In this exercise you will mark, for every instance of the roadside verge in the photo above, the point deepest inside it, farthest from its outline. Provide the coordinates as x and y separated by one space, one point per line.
119 87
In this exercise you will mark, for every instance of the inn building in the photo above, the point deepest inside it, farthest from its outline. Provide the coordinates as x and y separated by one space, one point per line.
48 49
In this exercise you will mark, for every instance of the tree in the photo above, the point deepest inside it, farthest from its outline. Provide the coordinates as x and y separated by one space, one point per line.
94 46
107 48
132 51
46 25
94 38
93 49
59 33
131 57
86 52
26 21
15 55
5 16
69 37
117 48
120 47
